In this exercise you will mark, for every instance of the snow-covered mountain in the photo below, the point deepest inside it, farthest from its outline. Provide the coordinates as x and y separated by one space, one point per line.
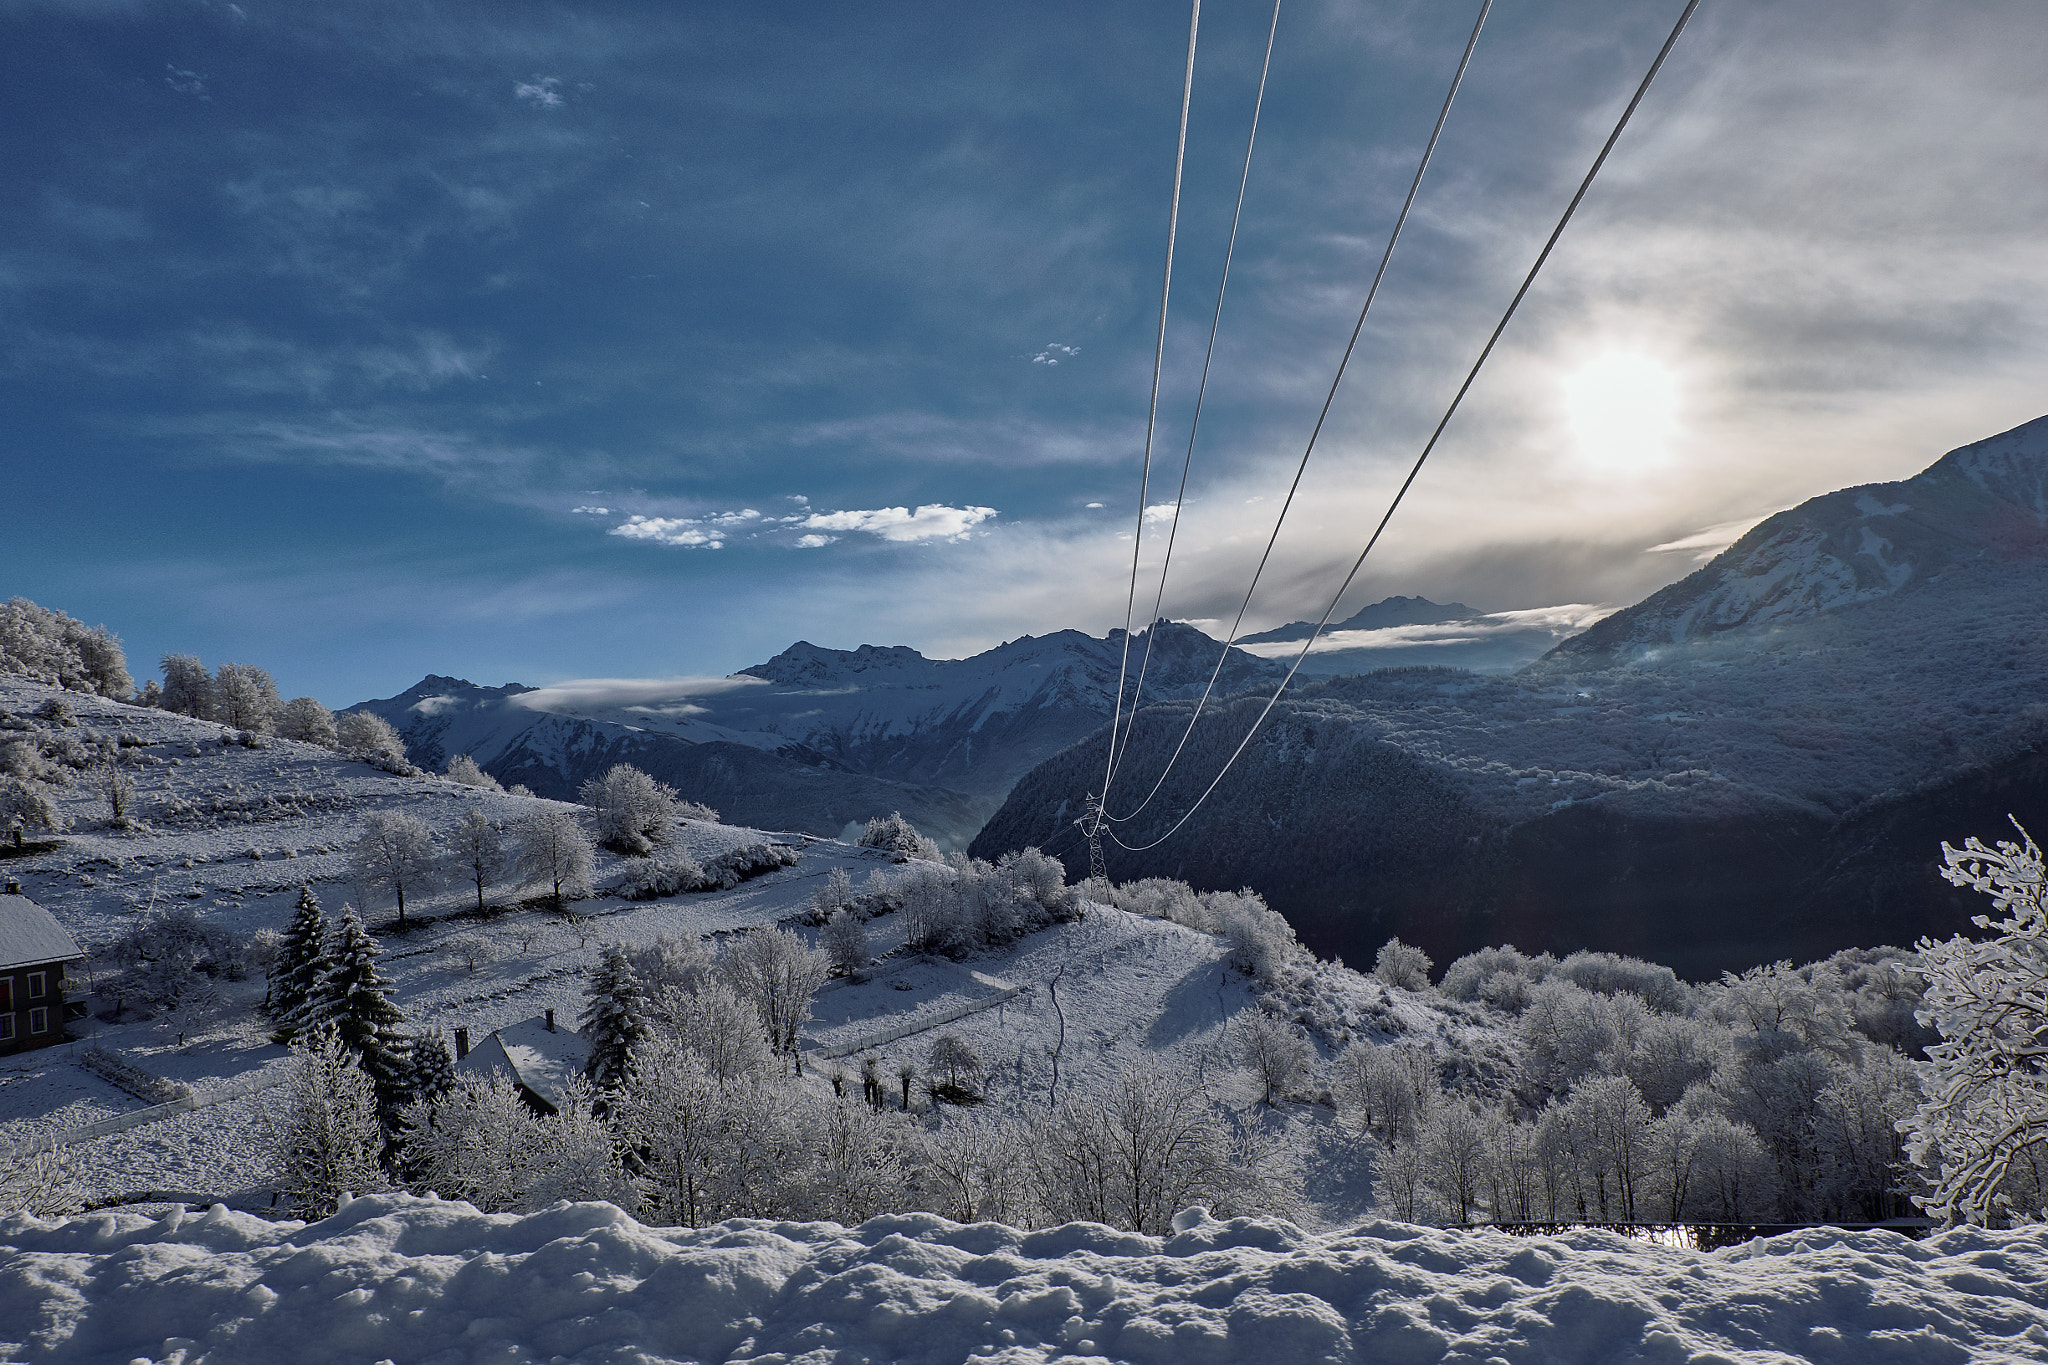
1402 632
815 739
1983 504
1712 776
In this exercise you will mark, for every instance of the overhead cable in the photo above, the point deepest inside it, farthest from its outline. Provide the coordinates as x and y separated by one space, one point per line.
1472 375
1365 309
1158 363
1180 498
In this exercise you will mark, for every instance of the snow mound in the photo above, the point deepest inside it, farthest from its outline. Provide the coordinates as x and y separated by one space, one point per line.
410 1279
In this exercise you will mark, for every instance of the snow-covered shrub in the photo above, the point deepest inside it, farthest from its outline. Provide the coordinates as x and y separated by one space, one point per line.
44 1184
1402 965
895 835
52 647
1982 1130
746 862
634 812
462 768
367 737
484 1144
1261 940
1479 976
1609 974
670 873
696 810
551 847
473 951
306 720
57 711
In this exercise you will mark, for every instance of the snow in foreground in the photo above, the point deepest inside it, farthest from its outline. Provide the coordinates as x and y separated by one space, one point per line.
399 1278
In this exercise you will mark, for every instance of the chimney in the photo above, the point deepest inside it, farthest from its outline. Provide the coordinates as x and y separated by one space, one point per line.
551 1021
14 886
461 1043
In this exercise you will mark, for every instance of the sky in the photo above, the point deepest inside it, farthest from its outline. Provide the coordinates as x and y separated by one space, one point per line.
542 342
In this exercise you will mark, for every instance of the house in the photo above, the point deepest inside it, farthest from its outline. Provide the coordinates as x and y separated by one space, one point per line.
537 1055
35 1000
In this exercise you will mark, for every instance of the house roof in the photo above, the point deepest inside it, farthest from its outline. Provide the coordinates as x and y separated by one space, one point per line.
531 1055
30 935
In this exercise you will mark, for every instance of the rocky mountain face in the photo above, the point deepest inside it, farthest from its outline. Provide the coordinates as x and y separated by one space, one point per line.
1757 762
815 739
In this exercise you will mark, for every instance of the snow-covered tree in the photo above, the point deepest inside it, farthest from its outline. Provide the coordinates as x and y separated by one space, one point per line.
721 1026
354 999
846 942
1136 1153
394 855
1276 1055
1402 965
896 835
188 687
306 720
52 647
26 805
462 768
614 1018
1386 1087
301 962
433 1066
634 812
1452 1140
834 895
367 737
1981 1131
779 973
476 852
551 847
951 1057
245 697
117 785
329 1142
671 964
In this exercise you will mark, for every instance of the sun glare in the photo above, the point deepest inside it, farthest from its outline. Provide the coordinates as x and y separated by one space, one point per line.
1623 409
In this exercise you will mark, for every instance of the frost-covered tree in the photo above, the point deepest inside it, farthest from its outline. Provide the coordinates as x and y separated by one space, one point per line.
634 812
117 785
1386 1087
306 720
953 1059
671 964
395 855
301 961
721 1026
846 942
367 737
462 768
550 846
188 687
52 647
1274 1054
614 1018
894 834
329 1142
1981 1132
354 999
1136 1153
1402 965
1452 1140
779 973
245 697
26 805
834 895
433 1067
476 852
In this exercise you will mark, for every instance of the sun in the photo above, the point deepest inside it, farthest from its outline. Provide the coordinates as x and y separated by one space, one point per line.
1623 409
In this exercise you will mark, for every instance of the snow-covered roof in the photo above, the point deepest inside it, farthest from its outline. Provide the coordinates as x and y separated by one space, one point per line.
531 1055
30 934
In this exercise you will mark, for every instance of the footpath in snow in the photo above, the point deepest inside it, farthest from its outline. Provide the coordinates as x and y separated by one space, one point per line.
406 1279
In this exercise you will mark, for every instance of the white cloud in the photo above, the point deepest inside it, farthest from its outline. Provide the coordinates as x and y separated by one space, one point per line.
933 521
1053 354
813 541
593 511
1096 506
541 91
592 693
1709 541
1161 511
681 531
186 82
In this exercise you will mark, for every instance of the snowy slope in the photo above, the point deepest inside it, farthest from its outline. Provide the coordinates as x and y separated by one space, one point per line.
399 1278
1984 502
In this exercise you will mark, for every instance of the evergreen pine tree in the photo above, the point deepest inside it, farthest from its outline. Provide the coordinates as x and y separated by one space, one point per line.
615 1018
329 1142
433 1067
301 962
354 998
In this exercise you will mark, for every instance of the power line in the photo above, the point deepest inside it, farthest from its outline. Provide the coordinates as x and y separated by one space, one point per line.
1180 154
1471 376
1202 390
1371 293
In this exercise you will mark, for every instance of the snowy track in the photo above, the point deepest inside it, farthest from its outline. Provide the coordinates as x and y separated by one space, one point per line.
414 1280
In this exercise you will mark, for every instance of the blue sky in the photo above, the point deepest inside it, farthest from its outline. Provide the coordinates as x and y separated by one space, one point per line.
537 342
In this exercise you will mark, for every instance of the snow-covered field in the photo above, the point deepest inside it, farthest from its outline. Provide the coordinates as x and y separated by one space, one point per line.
406 1279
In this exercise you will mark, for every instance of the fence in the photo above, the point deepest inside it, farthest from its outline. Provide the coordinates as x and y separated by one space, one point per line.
923 1024
121 1123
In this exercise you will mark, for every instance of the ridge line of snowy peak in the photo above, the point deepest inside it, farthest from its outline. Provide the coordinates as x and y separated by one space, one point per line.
1982 502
